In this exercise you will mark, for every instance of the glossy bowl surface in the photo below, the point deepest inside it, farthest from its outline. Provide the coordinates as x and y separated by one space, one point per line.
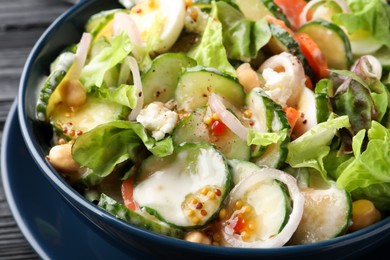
67 30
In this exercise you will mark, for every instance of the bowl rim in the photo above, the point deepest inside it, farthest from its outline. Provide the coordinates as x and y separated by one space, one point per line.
70 193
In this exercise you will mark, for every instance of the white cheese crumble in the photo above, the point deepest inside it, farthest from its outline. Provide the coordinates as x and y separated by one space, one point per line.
278 86
158 119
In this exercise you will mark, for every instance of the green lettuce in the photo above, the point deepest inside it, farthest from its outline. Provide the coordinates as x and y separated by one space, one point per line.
370 166
94 72
310 149
125 95
211 52
370 16
242 37
265 138
108 145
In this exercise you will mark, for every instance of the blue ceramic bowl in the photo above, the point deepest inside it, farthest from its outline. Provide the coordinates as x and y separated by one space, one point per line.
66 30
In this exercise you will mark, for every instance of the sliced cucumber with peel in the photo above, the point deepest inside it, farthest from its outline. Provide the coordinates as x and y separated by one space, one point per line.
193 129
74 122
196 84
258 207
143 220
159 81
185 189
253 9
267 116
332 41
50 96
327 214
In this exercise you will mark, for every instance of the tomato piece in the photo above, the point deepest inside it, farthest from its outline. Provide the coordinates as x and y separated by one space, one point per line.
314 55
292 10
218 128
292 116
127 190
240 226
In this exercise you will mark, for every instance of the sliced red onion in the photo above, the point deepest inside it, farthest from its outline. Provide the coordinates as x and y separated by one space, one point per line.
303 16
294 71
368 67
138 85
80 56
295 217
124 22
230 120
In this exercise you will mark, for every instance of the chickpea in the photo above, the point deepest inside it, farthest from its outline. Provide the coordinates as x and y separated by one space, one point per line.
197 237
364 214
247 77
60 156
73 93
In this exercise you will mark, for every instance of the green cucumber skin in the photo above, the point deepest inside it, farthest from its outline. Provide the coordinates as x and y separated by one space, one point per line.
160 79
291 46
155 161
276 11
197 83
122 212
193 129
48 88
273 112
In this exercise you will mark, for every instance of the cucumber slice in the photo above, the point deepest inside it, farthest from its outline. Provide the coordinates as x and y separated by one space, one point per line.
185 189
241 169
338 54
160 80
193 129
258 207
49 96
322 103
325 10
196 84
276 11
253 9
267 116
74 122
141 219
327 214
283 41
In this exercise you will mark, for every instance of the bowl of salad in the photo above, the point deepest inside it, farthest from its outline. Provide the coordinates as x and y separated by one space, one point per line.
253 128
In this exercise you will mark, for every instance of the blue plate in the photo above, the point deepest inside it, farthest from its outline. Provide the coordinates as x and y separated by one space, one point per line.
46 220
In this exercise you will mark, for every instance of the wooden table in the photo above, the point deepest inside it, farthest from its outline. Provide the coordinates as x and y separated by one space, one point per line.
21 24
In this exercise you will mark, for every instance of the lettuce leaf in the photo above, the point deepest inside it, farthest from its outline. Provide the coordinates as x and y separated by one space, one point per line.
310 149
242 37
211 52
265 138
108 145
94 72
370 166
125 95
372 16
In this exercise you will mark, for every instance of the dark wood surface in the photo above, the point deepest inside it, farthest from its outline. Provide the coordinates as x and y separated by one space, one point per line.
21 24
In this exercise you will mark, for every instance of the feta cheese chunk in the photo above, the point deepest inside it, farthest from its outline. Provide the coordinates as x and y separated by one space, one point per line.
158 119
277 86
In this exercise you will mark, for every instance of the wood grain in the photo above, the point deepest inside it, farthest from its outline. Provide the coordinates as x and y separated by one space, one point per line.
22 22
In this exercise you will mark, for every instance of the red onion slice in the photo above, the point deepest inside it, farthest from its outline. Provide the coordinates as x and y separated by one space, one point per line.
232 122
138 85
124 22
293 69
80 57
